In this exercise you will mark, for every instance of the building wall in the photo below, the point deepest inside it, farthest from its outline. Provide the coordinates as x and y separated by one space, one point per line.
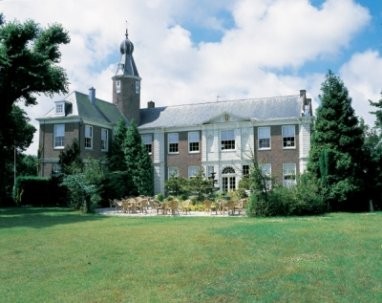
73 130
278 155
183 159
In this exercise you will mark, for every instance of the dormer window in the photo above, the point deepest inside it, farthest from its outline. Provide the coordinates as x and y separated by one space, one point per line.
60 108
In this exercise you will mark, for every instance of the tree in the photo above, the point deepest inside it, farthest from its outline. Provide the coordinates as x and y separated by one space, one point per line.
373 146
336 156
116 155
84 185
138 162
28 65
21 133
145 181
70 158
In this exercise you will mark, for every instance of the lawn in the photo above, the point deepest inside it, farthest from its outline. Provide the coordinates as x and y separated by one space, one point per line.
57 255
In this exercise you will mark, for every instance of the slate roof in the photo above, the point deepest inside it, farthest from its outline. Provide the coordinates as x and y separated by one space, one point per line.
103 113
272 108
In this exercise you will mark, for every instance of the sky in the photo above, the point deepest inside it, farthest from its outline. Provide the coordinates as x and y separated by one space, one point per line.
190 51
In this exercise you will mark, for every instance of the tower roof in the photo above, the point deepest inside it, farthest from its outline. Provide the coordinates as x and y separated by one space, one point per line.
126 66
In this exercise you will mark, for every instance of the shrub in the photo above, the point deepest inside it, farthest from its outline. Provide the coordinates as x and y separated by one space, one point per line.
39 191
115 185
302 199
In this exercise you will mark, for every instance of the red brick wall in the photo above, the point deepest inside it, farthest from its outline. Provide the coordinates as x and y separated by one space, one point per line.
183 159
277 155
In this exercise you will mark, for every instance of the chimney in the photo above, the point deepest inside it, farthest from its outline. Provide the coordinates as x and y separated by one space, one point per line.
151 104
302 93
92 95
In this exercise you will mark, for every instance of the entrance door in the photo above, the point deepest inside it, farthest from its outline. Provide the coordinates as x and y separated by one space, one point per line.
228 179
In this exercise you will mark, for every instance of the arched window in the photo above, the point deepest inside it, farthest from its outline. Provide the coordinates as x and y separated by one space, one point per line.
228 170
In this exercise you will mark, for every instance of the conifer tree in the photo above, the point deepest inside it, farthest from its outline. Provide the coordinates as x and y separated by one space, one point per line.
116 156
336 156
138 163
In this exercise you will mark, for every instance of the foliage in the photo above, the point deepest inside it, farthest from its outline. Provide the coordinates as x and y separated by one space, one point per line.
70 158
116 155
373 148
85 185
198 186
27 165
138 162
176 186
303 199
337 155
29 58
115 186
21 133
39 191
145 173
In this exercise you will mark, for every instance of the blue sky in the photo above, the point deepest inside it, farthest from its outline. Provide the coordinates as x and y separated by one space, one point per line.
193 51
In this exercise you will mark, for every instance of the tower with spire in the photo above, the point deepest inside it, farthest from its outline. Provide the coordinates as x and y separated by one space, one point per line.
127 83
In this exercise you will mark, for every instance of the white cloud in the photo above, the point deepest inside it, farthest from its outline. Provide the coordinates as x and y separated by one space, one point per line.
268 37
362 76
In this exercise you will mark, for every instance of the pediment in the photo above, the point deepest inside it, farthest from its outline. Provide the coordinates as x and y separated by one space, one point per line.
224 118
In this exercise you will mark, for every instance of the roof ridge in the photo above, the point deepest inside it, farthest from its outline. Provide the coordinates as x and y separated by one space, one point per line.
225 101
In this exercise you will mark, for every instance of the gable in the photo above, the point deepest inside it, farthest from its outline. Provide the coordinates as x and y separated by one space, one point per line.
226 117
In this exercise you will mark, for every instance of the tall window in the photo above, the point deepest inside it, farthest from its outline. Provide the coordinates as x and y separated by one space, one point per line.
147 141
104 139
264 137
193 171
228 140
193 142
289 174
88 136
173 172
118 86
173 143
59 135
289 134
266 170
245 170
137 87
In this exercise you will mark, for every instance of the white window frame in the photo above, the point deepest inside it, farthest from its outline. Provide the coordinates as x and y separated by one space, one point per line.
227 137
104 139
289 136
264 133
88 137
60 109
194 142
172 171
173 143
289 174
193 171
147 141
59 136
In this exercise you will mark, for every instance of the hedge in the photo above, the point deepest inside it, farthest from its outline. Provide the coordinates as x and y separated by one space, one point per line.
39 191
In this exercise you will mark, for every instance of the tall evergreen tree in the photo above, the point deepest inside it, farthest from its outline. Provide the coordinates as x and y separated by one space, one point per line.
116 156
145 181
336 156
373 144
137 162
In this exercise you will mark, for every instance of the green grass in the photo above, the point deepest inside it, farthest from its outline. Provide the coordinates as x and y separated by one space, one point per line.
57 255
